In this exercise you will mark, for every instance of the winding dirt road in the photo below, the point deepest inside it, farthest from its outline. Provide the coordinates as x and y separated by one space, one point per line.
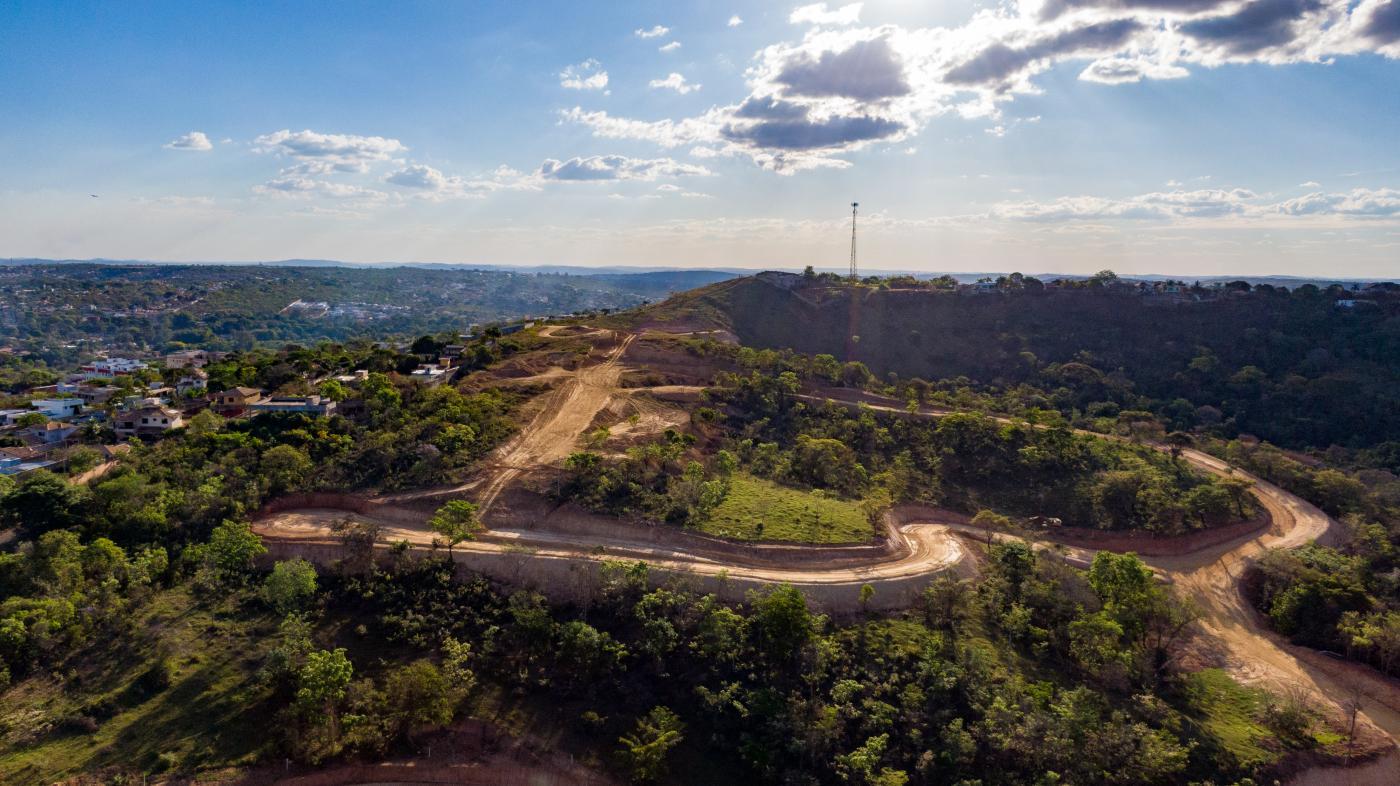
1209 577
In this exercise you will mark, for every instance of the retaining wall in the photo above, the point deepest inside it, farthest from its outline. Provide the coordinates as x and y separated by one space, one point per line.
575 578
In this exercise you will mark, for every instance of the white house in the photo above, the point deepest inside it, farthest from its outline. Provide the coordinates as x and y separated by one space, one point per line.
58 408
111 367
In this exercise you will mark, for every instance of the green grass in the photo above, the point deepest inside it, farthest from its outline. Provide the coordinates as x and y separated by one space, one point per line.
210 715
1230 712
757 509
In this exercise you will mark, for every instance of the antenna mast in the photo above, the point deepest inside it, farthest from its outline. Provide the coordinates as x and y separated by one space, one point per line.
854 275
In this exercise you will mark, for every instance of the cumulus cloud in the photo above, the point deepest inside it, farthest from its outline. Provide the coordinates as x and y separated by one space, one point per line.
819 14
653 32
735 21
671 47
844 86
429 183
342 152
1359 202
674 82
865 71
1272 28
193 141
1000 64
588 75
615 167
1378 21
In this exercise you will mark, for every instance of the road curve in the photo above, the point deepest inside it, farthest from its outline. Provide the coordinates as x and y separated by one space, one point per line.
1209 577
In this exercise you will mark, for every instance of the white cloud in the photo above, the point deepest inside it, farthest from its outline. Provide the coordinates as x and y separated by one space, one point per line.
671 47
305 187
341 152
194 141
818 14
1359 202
614 167
1310 184
588 75
1204 205
735 21
1125 70
654 32
431 184
843 86
674 82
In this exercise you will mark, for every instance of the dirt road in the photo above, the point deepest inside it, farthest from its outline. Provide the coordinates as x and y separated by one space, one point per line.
549 437
1209 577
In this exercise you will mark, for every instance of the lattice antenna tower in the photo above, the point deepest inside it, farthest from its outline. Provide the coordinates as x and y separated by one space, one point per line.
854 274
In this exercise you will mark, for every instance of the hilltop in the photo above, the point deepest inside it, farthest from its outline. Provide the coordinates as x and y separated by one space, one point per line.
1301 367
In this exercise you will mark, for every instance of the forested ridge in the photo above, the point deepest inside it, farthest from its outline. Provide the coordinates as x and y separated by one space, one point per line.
1291 367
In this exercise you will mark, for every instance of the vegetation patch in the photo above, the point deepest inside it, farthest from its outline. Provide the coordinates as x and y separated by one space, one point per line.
757 509
178 693
1232 714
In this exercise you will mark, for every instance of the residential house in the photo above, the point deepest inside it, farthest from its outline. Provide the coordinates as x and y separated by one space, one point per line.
187 358
110 367
17 461
93 394
430 373
46 436
192 383
9 416
234 401
147 420
57 408
311 405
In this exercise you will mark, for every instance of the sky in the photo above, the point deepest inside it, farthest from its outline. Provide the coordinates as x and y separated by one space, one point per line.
1189 137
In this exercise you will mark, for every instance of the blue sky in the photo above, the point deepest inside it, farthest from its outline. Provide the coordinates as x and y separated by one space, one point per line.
1169 136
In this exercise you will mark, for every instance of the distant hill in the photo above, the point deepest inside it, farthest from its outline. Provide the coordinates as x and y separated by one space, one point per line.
56 309
1296 367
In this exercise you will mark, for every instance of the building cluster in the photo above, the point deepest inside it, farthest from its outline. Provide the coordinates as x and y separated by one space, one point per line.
135 400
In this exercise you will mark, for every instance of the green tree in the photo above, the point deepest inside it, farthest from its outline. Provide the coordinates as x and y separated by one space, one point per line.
333 390
859 767
321 685
41 502
781 624
284 467
233 546
417 696
290 586
455 522
644 752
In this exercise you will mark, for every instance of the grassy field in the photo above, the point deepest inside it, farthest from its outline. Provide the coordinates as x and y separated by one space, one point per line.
757 509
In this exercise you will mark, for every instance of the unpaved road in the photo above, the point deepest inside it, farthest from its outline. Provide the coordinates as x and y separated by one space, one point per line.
930 549
550 436
1208 577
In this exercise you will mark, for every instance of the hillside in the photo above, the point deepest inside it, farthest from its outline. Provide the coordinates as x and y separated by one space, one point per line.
1296 368
46 309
